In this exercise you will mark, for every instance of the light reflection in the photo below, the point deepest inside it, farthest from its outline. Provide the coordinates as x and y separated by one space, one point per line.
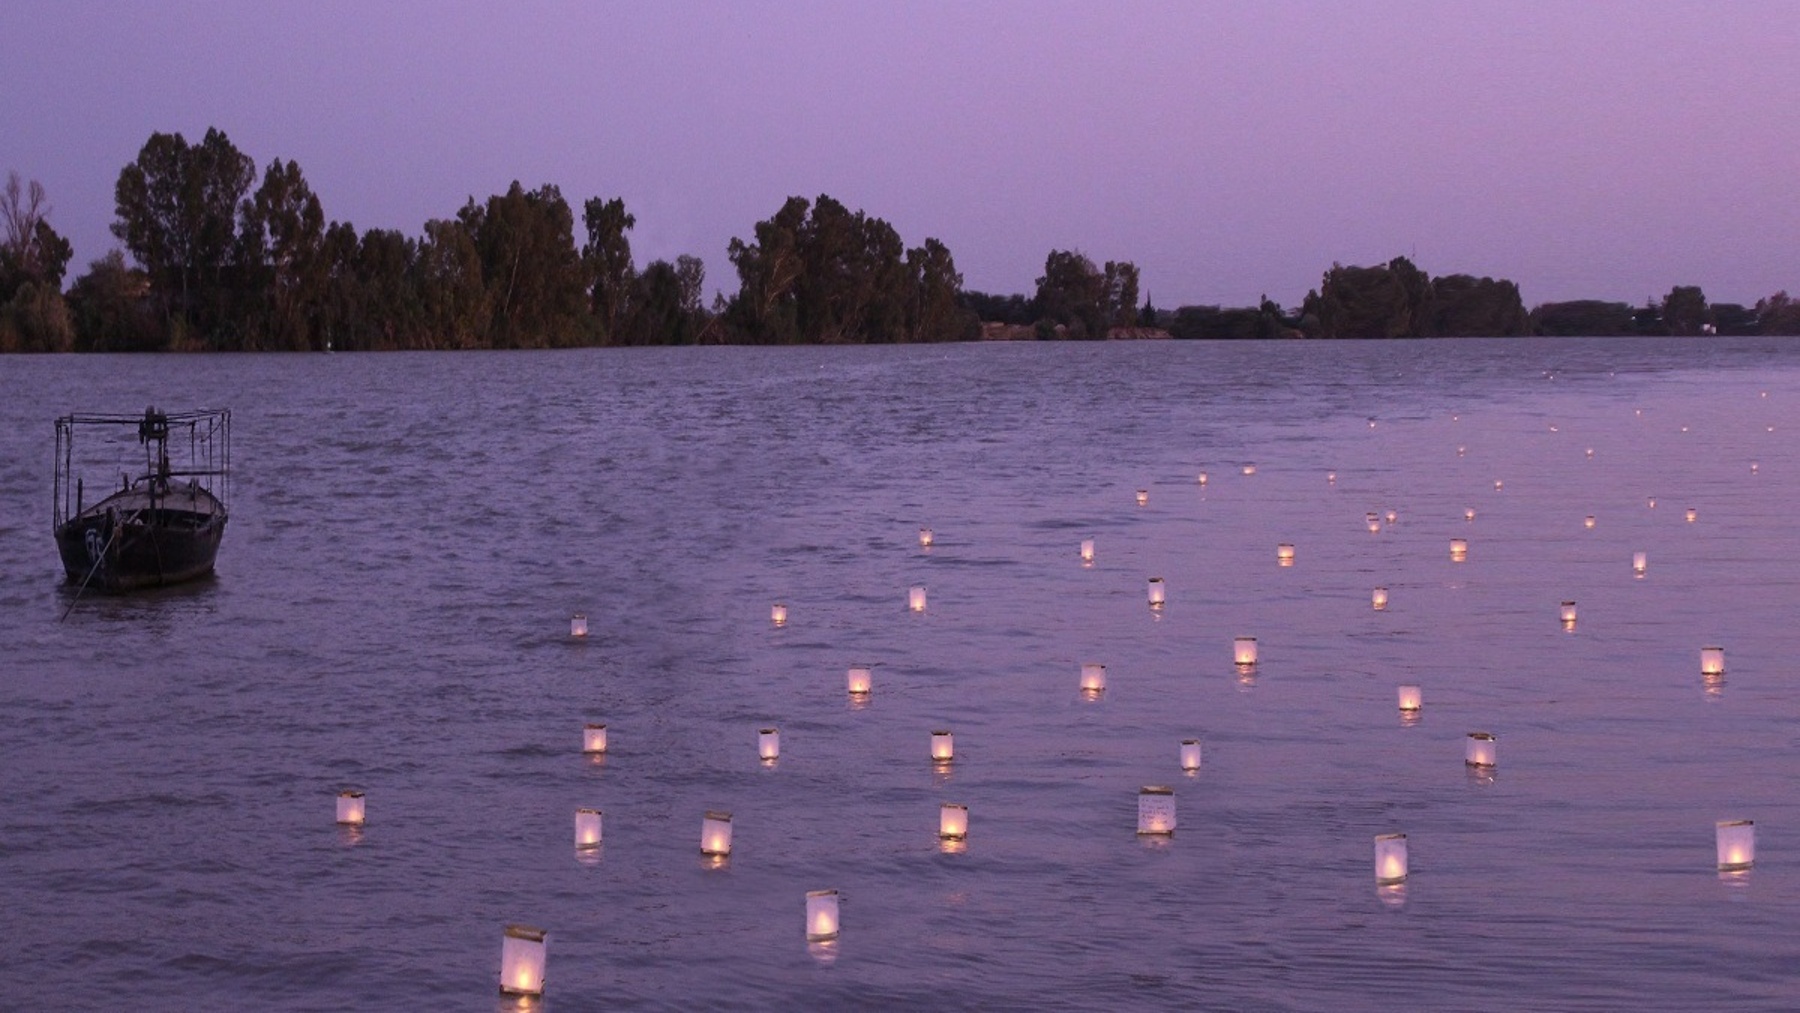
1392 895
1409 719
590 855
1480 776
350 834
1714 686
825 953
952 846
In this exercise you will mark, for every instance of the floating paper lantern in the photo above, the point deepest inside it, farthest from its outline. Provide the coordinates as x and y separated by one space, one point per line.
1392 517
953 821
925 538
1331 478
1143 496
1692 515
1156 592
943 747
1087 550
1469 514
1479 749
1190 755
1243 650
1712 661
1379 598
1590 451
1497 485
1093 678
593 738
778 614
1650 501
768 744
350 808
1568 615
1459 549
1374 522
915 599
1753 467
522 961
1737 845
860 680
715 834
1249 469
1640 561
1203 478
578 625
587 828
1460 451
821 915
1390 859
1284 554
1588 521
1411 698
1156 810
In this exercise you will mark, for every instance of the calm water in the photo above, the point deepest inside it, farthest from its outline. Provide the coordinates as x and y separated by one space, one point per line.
412 532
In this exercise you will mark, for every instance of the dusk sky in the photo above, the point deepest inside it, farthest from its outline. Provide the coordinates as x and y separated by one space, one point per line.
1605 150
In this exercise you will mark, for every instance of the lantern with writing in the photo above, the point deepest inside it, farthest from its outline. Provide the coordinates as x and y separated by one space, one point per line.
1156 810
522 960
1390 859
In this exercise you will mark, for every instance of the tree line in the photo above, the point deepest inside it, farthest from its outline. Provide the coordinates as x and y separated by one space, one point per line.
214 256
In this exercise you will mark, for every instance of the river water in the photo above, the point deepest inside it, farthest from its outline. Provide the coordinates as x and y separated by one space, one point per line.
411 533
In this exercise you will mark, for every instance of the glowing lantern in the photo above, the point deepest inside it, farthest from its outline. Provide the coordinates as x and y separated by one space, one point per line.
1284 554
1203 478
1568 615
1392 517
1459 549
715 834
1469 514
578 625
821 915
1143 496
1590 451
1737 845
1412 698
1156 592
1461 450
953 821
943 747
1093 678
1190 755
915 599
1087 550
1640 561
1651 501
1156 810
1753 467
1374 522
778 614
1479 749
768 744
593 738
1390 859
587 828
1497 485
1379 598
350 808
1712 661
1243 650
522 961
860 680
1249 469
1588 522
1331 478
1692 515
925 538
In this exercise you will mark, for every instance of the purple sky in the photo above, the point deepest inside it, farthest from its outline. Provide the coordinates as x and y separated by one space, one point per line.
1607 150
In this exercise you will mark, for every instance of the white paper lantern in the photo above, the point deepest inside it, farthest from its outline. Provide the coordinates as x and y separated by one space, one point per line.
778 614
1393 517
1479 749
1249 469
715 834
1498 485
1390 859
1143 496
522 960
953 821
1203 478
1692 515
1754 467
821 915
1284 554
1374 522
1190 754
593 738
1567 615
1379 598
1093 678
1156 810
1650 501
860 680
925 538
1411 698
1243 651
587 828
1640 561
943 747
915 599
1712 661
1087 550
350 808
1156 592
1459 549
1461 450
578 625
1331 478
1588 522
768 744
1737 845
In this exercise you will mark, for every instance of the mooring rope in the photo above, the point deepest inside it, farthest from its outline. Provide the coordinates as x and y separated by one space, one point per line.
98 559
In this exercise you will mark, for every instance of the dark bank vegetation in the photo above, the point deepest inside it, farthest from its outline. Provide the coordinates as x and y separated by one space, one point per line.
216 256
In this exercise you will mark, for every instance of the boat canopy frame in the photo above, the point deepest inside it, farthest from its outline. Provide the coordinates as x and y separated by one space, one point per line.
205 432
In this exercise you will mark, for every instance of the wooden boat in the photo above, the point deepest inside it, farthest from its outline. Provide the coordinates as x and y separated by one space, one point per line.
163 524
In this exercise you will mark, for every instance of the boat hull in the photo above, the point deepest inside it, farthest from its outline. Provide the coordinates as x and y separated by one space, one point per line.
128 542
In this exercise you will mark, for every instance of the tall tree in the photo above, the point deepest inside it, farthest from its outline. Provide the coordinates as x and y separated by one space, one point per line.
768 270
1074 294
607 257
285 227
30 250
1684 309
526 241
938 314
